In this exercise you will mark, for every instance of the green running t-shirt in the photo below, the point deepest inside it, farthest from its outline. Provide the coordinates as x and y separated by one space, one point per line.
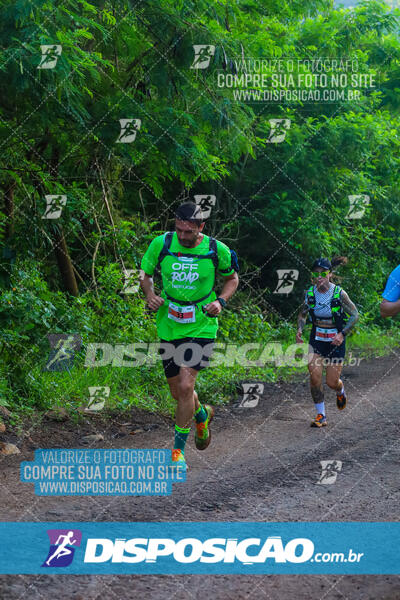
186 279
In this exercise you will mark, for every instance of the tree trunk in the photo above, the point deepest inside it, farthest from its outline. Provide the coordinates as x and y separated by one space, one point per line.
9 211
7 252
64 262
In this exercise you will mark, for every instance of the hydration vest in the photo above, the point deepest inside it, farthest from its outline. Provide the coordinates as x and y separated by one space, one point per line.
338 314
212 254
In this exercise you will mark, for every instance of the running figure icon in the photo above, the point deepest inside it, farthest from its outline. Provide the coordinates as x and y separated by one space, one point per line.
287 279
62 549
63 350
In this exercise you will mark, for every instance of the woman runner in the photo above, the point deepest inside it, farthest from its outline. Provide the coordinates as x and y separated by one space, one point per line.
333 315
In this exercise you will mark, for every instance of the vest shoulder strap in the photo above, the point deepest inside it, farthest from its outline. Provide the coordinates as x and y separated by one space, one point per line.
336 305
211 254
213 249
336 292
165 248
311 295
168 240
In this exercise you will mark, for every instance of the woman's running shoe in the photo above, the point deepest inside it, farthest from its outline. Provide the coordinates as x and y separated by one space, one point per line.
341 400
319 421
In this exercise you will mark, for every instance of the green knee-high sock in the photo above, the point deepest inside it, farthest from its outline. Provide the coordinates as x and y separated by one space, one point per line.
181 435
200 414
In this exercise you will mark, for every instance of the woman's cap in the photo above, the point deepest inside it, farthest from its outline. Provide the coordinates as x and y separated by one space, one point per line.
324 263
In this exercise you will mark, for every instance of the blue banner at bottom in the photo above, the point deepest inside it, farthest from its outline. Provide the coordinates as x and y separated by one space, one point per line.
189 547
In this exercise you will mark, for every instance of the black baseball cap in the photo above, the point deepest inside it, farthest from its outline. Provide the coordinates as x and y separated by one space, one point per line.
189 211
324 263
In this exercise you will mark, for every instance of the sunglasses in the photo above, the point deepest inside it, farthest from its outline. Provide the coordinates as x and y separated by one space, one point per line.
317 274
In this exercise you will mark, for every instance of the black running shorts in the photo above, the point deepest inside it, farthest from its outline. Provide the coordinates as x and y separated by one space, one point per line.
328 350
185 352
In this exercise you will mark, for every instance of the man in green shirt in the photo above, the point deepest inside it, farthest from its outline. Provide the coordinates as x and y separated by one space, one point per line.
186 313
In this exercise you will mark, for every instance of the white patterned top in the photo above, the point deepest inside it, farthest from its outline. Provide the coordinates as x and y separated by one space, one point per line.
323 302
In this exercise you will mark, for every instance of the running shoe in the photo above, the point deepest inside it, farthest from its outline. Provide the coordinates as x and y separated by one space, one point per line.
341 400
319 421
202 437
179 457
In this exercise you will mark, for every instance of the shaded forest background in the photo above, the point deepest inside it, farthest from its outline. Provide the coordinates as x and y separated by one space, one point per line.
278 205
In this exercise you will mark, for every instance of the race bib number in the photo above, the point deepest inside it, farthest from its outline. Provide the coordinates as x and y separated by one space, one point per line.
182 314
325 335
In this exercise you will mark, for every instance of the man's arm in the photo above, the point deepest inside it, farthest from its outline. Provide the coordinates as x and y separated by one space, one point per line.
390 305
229 288
147 284
389 309
350 308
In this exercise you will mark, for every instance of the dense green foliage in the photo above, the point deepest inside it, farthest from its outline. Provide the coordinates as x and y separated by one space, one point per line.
278 205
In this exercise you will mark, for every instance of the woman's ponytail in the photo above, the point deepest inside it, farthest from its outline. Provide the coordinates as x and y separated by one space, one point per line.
337 261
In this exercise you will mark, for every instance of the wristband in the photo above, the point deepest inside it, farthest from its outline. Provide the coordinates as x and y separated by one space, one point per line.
222 302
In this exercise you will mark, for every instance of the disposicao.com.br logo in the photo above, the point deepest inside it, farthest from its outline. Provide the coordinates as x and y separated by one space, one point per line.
247 551
205 547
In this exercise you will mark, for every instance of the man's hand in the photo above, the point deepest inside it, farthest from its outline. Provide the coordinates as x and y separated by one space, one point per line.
214 308
154 302
299 337
338 339
146 283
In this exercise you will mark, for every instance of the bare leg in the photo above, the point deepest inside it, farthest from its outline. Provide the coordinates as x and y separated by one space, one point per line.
315 368
182 390
333 373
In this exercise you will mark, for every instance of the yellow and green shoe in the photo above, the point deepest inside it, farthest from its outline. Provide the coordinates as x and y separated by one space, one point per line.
178 457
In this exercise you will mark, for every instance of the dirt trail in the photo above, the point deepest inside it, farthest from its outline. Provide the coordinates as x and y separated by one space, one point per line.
262 465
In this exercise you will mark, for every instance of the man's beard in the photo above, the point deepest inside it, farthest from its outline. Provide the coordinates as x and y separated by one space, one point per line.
188 243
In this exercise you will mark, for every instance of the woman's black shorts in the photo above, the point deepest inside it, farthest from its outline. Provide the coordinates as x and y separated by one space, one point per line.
328 350
185 352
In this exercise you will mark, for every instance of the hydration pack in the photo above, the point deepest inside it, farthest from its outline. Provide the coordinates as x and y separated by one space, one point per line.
339 316
212 254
